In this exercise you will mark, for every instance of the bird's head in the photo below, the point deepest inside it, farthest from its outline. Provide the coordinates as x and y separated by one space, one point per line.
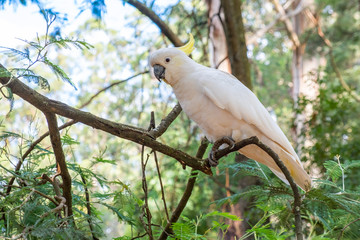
167 62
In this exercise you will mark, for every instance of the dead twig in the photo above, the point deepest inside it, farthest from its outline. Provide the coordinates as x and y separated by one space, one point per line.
288 25
162 188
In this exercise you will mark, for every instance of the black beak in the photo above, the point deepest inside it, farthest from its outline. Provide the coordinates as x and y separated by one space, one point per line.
159 72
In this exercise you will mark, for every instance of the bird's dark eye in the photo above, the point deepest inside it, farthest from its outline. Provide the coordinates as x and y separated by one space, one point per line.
167 59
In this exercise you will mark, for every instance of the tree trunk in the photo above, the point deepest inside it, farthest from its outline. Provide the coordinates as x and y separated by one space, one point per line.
235 37
228 53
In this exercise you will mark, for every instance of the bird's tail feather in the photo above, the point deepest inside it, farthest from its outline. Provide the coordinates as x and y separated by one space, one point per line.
297 172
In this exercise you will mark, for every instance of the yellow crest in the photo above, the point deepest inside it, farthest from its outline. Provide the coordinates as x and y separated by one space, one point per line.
189 46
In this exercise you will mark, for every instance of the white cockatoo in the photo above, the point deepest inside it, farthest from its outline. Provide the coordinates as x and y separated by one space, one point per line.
223 107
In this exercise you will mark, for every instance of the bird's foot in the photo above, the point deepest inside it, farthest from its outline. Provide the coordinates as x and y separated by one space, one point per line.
217 146
213 162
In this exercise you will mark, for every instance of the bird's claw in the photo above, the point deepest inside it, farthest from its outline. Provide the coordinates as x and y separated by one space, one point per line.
218 143
213 162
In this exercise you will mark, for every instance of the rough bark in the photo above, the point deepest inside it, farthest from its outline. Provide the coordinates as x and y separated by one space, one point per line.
235 37
218 48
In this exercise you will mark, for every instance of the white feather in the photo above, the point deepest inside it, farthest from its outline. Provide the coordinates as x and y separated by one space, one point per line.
222 106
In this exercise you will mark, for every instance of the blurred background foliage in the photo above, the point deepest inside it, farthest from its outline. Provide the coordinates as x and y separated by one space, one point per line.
109 168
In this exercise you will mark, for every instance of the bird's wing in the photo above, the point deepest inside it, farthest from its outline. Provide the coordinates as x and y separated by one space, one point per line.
230 94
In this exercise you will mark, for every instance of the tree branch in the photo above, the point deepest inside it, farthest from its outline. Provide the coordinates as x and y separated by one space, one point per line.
145 207
321 34
60 160
134 134
288 25
165 123
165 29
297 197
261 32
65 125
347 225
88 206
186 195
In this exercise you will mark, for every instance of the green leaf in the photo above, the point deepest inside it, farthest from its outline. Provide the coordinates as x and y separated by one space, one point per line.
101 160
65 43
224 214
58 72
333 170
352 164
68 140
12 52
6 134
118 213
39 80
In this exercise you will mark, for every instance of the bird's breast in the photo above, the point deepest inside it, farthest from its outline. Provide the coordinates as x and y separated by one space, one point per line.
214 121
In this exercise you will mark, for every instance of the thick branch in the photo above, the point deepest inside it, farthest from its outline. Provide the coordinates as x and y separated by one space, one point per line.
235 38
186 195
60 159
165 29
134 134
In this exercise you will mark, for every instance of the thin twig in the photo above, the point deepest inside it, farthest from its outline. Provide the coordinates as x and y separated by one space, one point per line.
165 123
139 236
346 226
162 187
289 26
145 189
186 195
222 185
257 35
88 206
327 42
38 192
53 182
110 86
